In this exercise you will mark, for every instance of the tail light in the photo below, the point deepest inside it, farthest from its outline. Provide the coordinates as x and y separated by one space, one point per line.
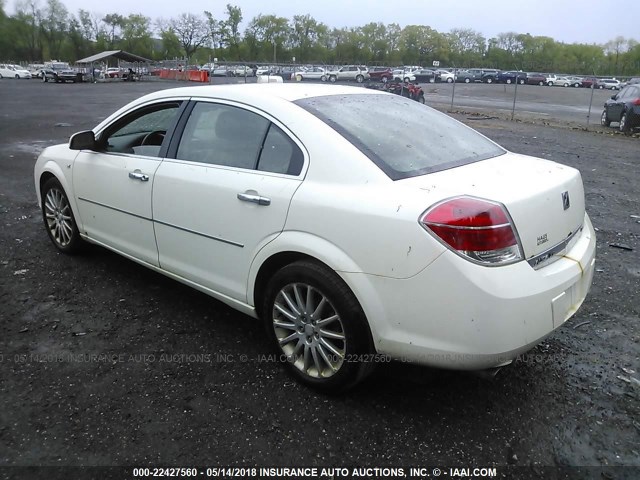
476 229
636 101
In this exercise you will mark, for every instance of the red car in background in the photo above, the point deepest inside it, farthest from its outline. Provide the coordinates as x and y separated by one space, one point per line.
380 74
536 79
588 82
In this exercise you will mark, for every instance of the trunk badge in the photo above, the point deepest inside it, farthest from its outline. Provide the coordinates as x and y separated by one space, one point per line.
565 200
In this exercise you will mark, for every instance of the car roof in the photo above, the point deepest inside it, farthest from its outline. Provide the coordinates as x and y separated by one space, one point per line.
284 91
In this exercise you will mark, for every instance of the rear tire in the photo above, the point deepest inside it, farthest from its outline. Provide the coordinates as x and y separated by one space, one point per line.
489 80
317 327
332 79
359 79
508 81
466 80
541 83
521 82
624 124
449 80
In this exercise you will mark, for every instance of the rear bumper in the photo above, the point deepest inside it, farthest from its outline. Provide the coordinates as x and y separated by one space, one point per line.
455 314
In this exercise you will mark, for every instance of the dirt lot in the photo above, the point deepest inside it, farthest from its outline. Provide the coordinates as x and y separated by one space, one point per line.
103 362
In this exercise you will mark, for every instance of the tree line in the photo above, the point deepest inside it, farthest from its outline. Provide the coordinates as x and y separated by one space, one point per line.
36 32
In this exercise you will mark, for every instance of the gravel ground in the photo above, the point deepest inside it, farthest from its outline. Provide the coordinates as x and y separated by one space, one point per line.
103 362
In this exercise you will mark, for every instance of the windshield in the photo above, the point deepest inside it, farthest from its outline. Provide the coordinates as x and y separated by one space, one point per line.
401 136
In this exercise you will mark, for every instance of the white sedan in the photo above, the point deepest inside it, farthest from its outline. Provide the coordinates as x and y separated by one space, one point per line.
14 71
352 244
313 73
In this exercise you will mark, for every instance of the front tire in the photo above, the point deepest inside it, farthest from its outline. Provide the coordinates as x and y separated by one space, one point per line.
317 326
541 83
323 78
521 82
489 80
332 79
604 119
508 81
449 80
466 80
58 217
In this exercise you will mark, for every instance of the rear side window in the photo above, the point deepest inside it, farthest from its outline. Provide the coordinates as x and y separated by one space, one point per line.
231 136
406 139
223 135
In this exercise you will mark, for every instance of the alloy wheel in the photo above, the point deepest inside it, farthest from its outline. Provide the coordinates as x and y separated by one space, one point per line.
309 330
58 217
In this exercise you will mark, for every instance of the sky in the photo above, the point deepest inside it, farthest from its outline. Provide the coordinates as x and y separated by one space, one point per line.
584 21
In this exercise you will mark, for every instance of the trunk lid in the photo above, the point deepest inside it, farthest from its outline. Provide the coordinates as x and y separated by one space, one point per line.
544 199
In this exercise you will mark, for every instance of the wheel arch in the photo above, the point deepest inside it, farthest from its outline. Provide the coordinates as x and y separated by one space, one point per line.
290 247
281 259
53 170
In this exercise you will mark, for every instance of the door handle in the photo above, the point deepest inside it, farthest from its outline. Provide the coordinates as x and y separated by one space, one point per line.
138 175
248 197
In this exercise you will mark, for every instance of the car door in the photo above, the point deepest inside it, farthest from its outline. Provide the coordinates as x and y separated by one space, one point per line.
113 185
223 194
615 106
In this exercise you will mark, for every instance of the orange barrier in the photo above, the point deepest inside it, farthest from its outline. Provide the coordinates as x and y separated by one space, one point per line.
189 75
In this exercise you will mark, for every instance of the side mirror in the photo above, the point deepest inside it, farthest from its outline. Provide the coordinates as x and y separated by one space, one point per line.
614 97
83 141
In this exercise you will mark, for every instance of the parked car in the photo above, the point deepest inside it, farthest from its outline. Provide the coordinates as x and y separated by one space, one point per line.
511 77
536 79
427 75
358 73
464 76
241 71
13 71
589 82
61 75
221 71
624 108
568 82
381 74
445 76
608 83
428 243
263 71
401 75
552 78
490 76
34 69
313 73
114 72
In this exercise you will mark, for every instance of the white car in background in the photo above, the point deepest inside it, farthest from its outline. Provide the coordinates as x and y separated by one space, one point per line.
401 75
357 73
446 76
568 81
13 71
609 83
430 244
552 78
312 73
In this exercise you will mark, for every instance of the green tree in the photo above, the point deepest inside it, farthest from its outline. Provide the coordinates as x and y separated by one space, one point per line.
114 22
266 35
306 36
192 32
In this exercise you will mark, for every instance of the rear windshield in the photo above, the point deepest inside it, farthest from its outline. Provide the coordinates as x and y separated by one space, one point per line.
401 136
